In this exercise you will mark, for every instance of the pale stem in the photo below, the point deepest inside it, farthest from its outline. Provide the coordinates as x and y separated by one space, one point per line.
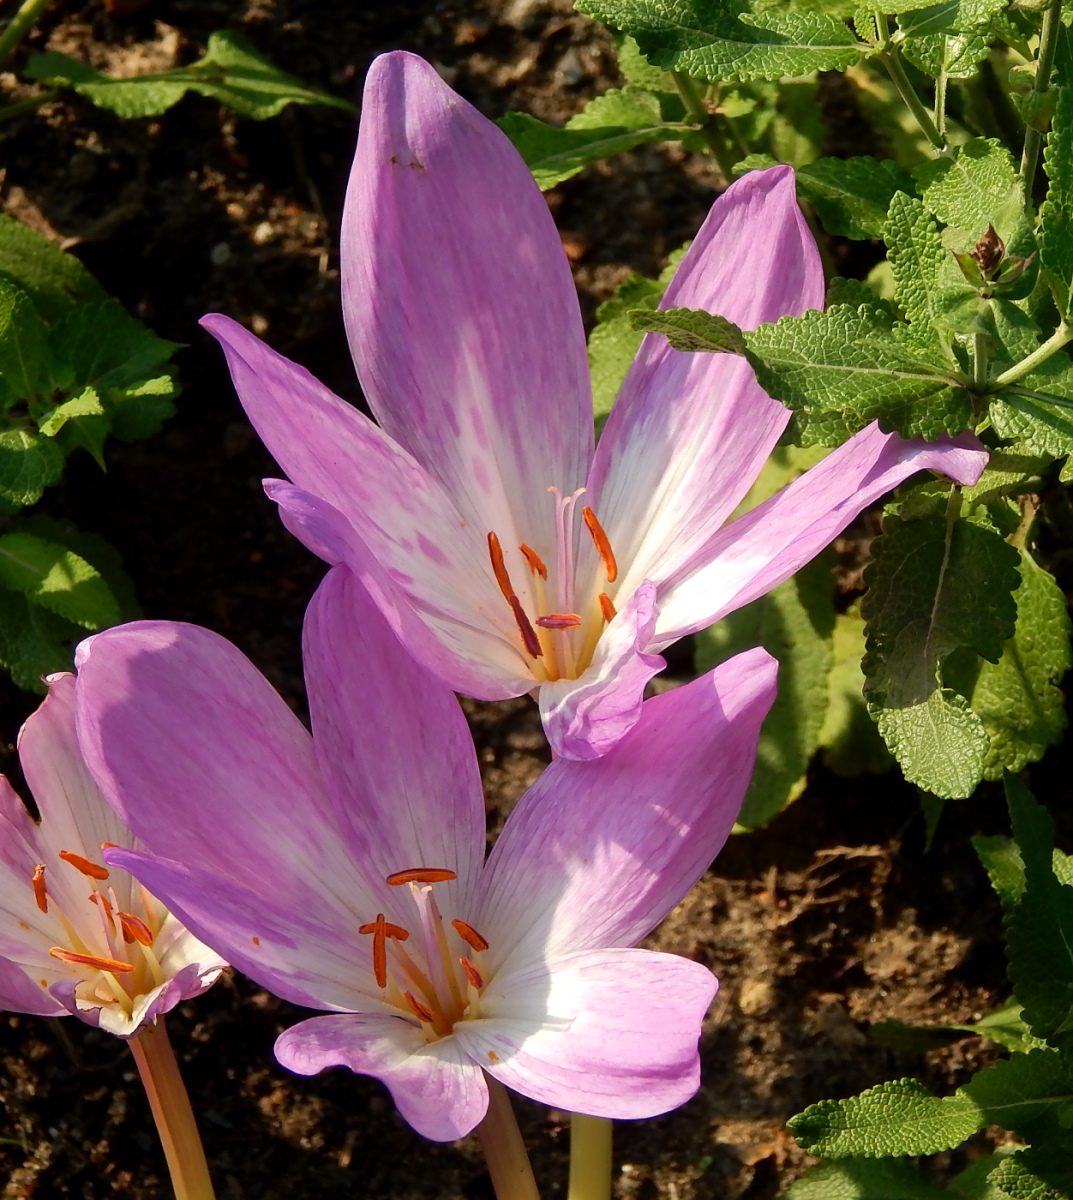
1048 41
172 1112
979 362
20 25
891 59
501 1143
1051 346
590 1158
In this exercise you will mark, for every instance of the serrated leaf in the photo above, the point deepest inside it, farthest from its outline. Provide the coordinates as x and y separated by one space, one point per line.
56 579
55 279
1024 1092
897 1118
1035 1173
939 742
973 1183
33 641
636 69
916 254
956 53
714 39
852 195
85 404
29 463
1004 1026
80 421
863 1179
1056 214
23 344
1002 861
976 189
230 72
138 412
97 551
1041 420
107 348
691 329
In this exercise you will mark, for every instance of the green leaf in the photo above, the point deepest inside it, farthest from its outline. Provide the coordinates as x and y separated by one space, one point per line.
897 1118
610 124
1056 214
57 579
713 39
230 72
1023 1092
852 195
33 641
1035 1173
1042 421
138 412
1004 1026
691 329
915 254
97 551
973 1183
1004 866
863 1179
107 348
851 744
976 189
638 70
56 280
29 463
23 344
80 421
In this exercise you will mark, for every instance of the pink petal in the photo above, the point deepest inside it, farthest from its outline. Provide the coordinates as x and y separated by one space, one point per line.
751 555
618 1037
583 718
597 853
690 432
395 752
19 993
436 1087
459 303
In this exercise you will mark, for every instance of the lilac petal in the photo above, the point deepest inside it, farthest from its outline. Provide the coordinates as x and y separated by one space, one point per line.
202 758
147 1007
615 1034
459 303
19 993
751 555
395 752
583 718
690 432
436 1087
597 853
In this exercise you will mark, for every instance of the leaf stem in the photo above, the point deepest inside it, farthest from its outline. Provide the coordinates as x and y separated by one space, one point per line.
13 110
590 1158
1048 43
20 25
1052 345
708 123
979 362
172 1112
503 1148
891 59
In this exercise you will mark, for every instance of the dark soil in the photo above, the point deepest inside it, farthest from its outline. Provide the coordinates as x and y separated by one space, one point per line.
830 919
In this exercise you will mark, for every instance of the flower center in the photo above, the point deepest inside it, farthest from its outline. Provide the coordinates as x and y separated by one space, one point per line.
562 635
112 950
436 978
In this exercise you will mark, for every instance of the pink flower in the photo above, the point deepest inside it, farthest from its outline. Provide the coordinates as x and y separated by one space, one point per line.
76 936
346 870
506 553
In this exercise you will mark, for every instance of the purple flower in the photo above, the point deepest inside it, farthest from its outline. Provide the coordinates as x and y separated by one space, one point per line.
346 871
507 554
75 936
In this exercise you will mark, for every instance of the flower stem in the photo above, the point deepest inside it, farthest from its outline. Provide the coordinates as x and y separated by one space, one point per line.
708 124
172 1112
503 1148
1052 345
979 362
20 25
590 1158
1048 42
891 59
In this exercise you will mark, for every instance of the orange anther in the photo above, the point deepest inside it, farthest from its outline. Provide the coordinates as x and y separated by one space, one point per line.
91 960
607 607
529 637
603 546
135 929
40 895
536 563
381 931
417 1008
469 935
495 553
110 846
560 621
421 875
472 974
84 865
102 900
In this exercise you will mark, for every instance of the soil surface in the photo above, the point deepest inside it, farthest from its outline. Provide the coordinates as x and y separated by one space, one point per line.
830 919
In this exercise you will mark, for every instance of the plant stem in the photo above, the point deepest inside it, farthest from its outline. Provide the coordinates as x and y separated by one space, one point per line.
172 1112
1052 345
891 59
503 1148
590 1158
20 25
1048 42
708 125
979 362
21 106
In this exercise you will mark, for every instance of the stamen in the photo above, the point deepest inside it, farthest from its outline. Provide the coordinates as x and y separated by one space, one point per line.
417 1008
472 974
421 875
529 637
111 846
381 931
603 546
495 553
84 865
102 900
607 607
91 960
40 895
469 935
135 929
560 621
536 563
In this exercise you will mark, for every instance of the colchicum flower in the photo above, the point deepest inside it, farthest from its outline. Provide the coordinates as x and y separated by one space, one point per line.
346 870
506 553
76 936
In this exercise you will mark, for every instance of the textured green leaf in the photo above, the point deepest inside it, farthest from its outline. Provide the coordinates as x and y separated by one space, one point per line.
897 1118
230 72
1042 421
1005 868
714 39
138 412
56 280
1023 1091
1004 1026
636 69
1056 215
939 742
691 329
106 347
97 551
29 463
973 1183
863 1179
851 744
956 52
976 189
33 641
915 254
610 124
852 195
1035 1173
85 404
23 344
80 421
57 579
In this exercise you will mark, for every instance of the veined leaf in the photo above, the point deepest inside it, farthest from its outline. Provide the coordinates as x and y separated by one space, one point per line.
33 641
852 195
1056 215
864 1179
691 329
976 189
23 346
55 279
915 254
57 579
29 463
